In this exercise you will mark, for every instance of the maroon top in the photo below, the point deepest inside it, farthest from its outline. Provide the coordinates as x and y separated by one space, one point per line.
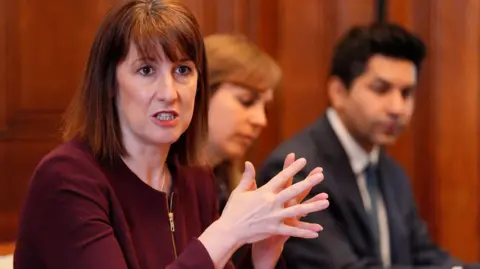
79 214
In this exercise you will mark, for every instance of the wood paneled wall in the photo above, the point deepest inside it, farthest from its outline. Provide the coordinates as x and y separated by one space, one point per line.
44 45
441 149
43 49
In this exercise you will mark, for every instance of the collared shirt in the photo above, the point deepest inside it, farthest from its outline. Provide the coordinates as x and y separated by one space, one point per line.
359 160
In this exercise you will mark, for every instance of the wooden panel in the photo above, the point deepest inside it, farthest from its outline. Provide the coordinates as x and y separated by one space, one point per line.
456 23
351 12
307 35
442 151
206 13
43 47
415 148
232 16
304 61
7 248
3 78
20 158
265 15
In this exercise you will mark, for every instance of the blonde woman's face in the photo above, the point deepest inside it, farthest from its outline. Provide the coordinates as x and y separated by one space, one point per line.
236 117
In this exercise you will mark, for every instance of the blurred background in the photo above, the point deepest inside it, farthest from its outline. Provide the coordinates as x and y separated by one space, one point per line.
44 47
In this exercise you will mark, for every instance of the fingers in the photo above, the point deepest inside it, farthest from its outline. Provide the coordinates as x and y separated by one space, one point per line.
248 179
299 188
314 227
287 230
317 170
303 209
302 195
320 196
281 178
288 161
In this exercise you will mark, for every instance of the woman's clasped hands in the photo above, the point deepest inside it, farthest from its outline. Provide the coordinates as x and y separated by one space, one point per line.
269 215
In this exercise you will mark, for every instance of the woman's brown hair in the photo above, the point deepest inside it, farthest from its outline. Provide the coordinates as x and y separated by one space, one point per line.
147 24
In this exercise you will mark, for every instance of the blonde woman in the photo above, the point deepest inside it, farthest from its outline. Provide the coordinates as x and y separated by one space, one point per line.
242 81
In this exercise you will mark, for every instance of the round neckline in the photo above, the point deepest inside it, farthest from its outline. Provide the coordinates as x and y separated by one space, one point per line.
125 169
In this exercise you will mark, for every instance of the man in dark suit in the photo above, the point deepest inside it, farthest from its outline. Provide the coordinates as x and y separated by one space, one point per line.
372 221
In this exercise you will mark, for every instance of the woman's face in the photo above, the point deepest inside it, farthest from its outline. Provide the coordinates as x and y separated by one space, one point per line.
155 98
236 117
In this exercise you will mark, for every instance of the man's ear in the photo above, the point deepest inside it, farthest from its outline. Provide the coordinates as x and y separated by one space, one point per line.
337 92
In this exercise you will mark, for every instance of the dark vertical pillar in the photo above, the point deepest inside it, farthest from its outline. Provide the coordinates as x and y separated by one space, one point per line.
381 10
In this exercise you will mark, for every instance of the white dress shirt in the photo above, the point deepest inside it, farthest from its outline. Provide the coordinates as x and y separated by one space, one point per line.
359 160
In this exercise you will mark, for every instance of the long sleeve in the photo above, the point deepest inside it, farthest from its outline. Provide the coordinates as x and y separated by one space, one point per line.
210 213
194 256
67 223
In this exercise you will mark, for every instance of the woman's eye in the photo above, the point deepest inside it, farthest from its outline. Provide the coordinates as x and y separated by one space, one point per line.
146 70
247 102
183 70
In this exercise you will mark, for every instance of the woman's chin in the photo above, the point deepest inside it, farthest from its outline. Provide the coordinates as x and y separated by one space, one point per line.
235 151
164 139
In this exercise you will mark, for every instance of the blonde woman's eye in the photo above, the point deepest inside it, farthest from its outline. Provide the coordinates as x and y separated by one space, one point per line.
247 102
146 70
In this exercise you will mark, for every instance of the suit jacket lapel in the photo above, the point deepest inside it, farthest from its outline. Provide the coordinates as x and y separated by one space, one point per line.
347 183
345 180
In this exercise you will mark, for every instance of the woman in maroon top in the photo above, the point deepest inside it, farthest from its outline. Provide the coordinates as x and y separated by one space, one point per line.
128 188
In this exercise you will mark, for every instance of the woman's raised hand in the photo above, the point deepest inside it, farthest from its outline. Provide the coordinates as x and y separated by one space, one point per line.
253 214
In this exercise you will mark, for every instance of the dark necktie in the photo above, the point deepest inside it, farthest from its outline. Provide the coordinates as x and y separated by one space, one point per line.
371 177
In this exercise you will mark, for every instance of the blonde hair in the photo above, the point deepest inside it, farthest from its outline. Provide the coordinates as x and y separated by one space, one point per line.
235 59
232 58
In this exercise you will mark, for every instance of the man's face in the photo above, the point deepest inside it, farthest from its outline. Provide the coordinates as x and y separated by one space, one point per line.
380 102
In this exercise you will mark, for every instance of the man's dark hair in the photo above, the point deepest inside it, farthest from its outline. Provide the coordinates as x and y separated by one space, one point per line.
360 43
